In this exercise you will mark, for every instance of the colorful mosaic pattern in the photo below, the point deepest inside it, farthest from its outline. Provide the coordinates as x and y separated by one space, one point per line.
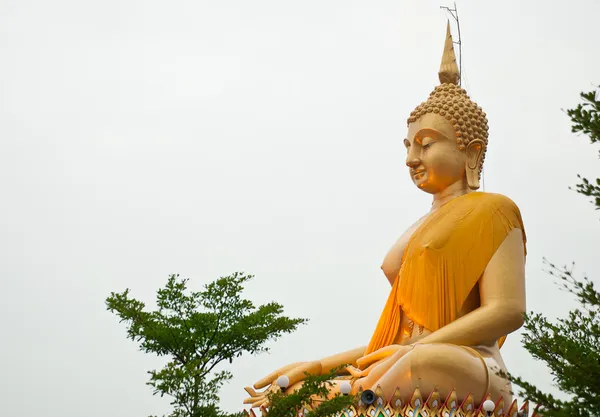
433 406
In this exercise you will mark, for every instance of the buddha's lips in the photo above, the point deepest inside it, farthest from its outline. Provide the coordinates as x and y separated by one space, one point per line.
417 173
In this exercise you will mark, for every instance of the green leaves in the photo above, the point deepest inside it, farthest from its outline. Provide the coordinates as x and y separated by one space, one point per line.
199 331
314 386
586 119
586 116
585 187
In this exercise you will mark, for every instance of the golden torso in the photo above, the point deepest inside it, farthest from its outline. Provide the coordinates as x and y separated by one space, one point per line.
409 332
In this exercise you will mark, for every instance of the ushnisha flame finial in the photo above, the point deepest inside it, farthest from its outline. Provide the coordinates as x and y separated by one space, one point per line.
449 72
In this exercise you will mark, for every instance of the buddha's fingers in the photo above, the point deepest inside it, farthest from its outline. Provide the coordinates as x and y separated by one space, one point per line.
251 392
268 380
259 403
355 372
254 396
367 371
377 355
252 400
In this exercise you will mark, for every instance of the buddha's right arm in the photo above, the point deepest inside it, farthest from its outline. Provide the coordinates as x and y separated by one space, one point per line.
296 372
326 364
345 358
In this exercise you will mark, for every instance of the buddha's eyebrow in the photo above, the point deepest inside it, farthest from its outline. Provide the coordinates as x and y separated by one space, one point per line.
406 143
427 131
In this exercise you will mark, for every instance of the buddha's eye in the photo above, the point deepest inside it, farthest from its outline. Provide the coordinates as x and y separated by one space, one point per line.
427 141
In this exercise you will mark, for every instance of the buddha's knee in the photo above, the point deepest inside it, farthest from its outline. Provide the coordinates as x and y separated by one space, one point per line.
447 367
426 366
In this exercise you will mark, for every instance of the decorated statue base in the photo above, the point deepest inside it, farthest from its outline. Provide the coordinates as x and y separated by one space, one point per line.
432 406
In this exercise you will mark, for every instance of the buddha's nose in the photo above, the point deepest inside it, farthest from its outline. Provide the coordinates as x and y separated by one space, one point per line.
412 162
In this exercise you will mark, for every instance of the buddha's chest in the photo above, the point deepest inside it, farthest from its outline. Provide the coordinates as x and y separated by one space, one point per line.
393 259
443 233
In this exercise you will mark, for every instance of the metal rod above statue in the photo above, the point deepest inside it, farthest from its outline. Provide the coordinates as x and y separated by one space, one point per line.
454 13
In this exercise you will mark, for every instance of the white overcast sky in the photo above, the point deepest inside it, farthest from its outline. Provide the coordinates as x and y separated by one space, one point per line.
144 138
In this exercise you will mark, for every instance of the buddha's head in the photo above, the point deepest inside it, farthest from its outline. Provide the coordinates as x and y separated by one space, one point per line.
447 134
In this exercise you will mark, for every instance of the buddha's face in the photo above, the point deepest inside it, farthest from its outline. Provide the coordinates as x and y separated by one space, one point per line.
433 156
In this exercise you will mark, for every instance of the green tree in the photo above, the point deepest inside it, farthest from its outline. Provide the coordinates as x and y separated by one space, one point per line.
586 119
314 386
570 347
199 331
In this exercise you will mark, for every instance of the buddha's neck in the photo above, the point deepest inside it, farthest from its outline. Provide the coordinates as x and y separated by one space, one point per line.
455 190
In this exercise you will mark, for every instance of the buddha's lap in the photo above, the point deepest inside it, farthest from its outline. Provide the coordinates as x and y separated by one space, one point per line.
440 366
445 367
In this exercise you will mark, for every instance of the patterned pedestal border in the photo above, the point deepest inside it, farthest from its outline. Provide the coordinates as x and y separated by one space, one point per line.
417 407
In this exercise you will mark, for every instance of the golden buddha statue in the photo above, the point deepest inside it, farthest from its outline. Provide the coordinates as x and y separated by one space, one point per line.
457 274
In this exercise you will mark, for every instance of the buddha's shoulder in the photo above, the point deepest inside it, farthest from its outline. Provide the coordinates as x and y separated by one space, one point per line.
492 200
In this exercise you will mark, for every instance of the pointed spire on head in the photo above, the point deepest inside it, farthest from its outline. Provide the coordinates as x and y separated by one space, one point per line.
449 72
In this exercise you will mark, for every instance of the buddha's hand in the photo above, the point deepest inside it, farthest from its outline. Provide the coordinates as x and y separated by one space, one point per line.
391 352
295 373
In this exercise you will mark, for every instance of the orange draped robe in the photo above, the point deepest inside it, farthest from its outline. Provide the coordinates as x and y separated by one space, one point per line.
443 261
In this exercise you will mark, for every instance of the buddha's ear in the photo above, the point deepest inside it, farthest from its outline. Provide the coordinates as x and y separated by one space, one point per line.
474 152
